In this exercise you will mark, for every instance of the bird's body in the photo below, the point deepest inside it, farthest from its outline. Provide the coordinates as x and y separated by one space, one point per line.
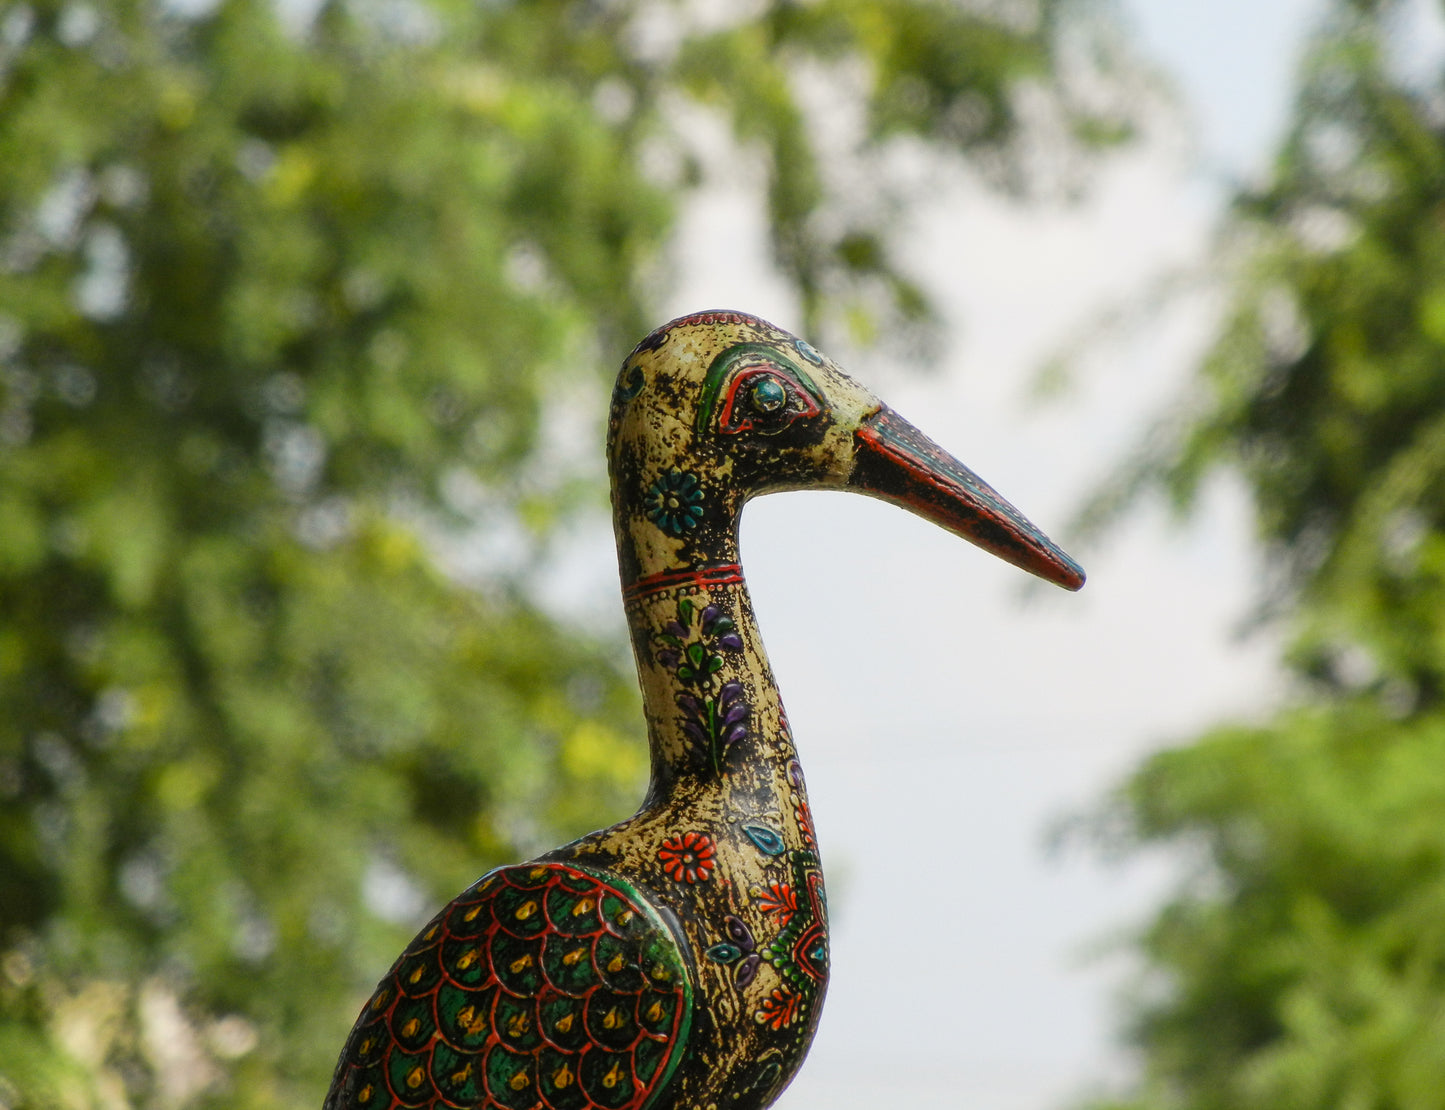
677 960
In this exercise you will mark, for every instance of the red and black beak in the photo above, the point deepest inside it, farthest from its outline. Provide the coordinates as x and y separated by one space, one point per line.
898 463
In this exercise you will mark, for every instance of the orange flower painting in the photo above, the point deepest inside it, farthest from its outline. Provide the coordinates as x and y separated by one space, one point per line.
689 857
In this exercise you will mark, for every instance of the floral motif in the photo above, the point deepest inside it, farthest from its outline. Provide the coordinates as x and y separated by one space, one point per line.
778 898
738 949
716 722
779 1008
715 716
799 949
697 660
689 857
804 817
674 503
801 811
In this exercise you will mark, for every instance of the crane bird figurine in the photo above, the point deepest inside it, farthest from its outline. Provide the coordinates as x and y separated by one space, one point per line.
678 960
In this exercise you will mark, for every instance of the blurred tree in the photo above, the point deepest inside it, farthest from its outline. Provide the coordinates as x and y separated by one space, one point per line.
1303 966
288 295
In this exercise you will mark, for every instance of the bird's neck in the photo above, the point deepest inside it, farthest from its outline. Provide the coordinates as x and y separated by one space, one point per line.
715 722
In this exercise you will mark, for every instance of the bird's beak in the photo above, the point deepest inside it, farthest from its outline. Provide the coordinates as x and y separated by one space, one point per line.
898 463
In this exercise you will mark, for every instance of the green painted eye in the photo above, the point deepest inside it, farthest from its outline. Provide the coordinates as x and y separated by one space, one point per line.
769 395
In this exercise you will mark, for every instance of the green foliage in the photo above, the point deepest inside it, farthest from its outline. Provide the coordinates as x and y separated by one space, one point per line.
1304 965
286 299
936 72
1325 387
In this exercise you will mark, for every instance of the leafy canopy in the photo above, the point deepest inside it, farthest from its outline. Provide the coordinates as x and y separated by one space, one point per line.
1304 966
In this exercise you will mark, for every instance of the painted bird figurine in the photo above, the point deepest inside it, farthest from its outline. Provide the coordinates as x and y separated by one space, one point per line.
678 960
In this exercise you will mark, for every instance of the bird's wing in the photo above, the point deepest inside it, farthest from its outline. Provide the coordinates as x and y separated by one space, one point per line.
544 986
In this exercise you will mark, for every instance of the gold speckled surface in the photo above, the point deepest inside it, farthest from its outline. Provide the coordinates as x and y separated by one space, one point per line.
677 960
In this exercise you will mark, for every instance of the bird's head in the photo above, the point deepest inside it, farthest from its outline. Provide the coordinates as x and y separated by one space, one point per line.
718 407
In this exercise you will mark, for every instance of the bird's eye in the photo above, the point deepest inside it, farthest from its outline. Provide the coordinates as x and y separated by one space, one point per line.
764 397
769 395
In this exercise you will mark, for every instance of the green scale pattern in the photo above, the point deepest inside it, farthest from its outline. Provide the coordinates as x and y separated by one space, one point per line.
540 987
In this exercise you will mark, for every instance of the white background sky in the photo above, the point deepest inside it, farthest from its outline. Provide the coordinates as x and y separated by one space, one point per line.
945 720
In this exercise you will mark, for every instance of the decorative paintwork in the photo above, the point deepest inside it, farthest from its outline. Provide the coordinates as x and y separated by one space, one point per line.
755 387
714 708
738 951
688 858
798 797
677 960
674 503
765 840
799 950
543 984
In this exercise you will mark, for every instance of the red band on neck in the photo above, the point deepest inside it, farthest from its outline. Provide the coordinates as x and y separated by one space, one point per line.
702 578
